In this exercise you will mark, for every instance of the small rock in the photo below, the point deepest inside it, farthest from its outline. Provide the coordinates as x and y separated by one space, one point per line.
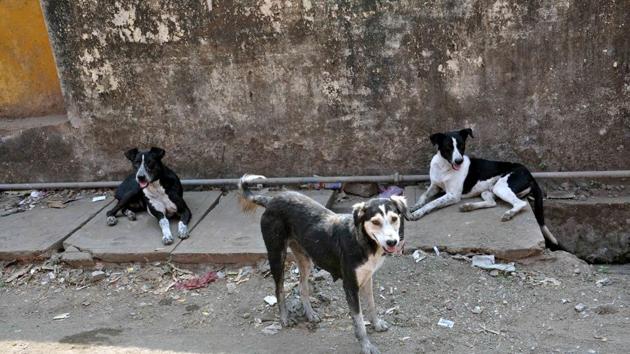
271 300
272 329
294 305
494 273
325 299
263 266
603 282
580 307
98 275
320 275
246 315
231 288
565 301
477 310
606 309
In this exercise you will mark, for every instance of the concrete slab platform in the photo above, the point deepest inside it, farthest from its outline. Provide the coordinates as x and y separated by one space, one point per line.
479 231
136 241
36 233
229 236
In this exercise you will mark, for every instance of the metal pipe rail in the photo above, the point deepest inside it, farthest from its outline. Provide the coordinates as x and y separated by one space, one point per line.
395 178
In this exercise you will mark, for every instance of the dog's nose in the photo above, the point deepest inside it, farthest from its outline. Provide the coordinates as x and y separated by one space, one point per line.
391 243
142 178
459 161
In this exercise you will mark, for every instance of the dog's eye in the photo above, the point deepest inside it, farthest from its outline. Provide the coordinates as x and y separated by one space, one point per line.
376 222
394 218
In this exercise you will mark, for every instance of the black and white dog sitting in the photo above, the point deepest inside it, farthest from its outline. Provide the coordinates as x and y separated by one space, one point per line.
153 187
349 246
462 177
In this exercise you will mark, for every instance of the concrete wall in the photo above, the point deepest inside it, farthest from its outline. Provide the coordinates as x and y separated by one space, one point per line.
28 77
337 87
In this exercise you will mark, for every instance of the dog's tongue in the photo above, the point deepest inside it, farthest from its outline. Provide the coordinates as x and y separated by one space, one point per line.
143 184
398 249
455 167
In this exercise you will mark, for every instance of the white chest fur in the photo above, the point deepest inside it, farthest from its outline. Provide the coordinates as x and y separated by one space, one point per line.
159 199
447 178
367 269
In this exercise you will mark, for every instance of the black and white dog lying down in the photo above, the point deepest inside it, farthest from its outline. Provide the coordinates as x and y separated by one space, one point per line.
459 177
153 187
349 246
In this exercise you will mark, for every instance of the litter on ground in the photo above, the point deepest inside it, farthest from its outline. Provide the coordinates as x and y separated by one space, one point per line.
197 282
487 262
445 323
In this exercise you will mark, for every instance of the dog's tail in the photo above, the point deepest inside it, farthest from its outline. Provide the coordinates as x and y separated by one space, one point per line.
248 200
537 193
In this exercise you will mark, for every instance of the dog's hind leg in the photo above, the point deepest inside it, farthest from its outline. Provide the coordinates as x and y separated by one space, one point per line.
120 205
368 296
305 265
488 202
275 237
502 190
133 207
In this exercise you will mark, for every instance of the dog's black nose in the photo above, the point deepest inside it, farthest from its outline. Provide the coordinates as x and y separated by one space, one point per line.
459 161
142 178
391 243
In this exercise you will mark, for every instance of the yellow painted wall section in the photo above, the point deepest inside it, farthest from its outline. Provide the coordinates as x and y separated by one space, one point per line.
29 85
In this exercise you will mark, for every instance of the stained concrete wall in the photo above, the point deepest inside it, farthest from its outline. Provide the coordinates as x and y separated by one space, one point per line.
28 77
337 87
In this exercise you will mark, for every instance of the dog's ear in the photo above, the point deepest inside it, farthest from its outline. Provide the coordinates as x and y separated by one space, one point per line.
158 152
437 138
465 133
357 212
131 154
401 203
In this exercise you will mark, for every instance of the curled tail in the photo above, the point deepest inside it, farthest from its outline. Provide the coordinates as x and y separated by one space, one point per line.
537 193
248 200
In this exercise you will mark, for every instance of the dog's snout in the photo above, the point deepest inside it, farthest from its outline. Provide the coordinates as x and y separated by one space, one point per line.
459 161
142 178
391 243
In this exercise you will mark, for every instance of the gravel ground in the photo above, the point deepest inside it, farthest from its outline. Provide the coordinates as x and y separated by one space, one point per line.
136 308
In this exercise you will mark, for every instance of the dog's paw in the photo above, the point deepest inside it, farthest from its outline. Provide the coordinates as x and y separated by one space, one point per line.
111 220
167 240
508 215
182 230
130 215
466 207
417 215
369 348
312 316
287 321
380 325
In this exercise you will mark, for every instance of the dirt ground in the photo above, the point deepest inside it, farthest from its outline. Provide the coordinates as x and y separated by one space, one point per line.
136 308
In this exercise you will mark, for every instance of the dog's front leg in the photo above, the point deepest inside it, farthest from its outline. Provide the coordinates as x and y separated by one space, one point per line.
165 225
426 197
367 295
352 296
182 226
443 201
